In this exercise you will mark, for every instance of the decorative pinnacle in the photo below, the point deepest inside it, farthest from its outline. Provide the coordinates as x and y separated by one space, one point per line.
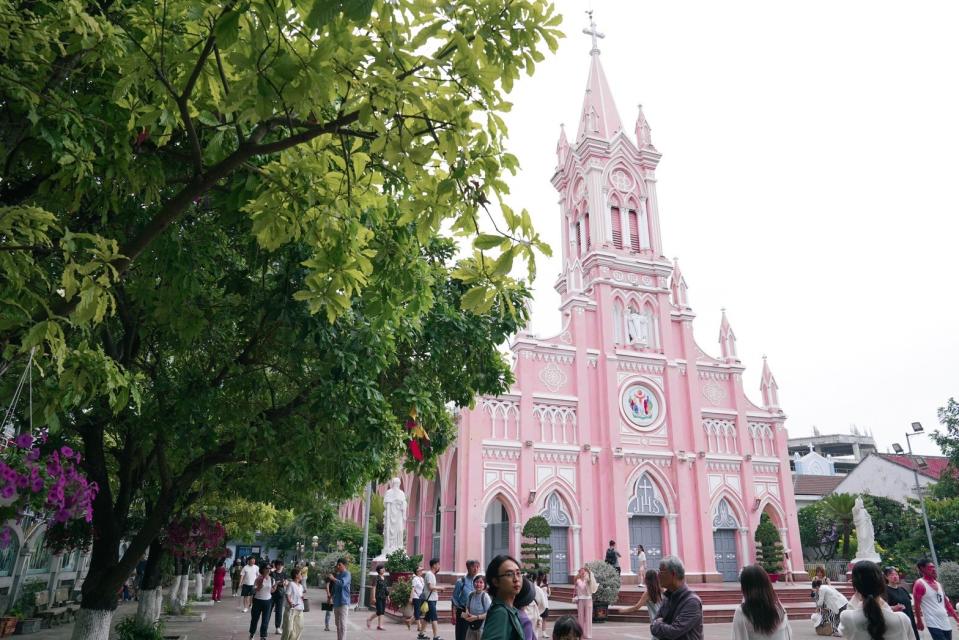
593 32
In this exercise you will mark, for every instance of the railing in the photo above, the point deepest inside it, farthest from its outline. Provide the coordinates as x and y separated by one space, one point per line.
835 569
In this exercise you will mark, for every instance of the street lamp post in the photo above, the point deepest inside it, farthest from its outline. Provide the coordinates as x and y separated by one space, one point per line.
315 542
917 430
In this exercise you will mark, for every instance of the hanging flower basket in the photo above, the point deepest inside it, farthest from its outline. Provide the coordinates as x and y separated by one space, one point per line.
46 482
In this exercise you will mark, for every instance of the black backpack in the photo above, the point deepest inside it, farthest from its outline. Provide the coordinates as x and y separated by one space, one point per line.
611 556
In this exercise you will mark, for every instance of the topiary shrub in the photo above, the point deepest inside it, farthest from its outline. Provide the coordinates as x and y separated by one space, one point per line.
536 555
608 579
769 549
949 577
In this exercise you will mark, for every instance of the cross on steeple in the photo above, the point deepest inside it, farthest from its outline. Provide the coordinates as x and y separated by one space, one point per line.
593 32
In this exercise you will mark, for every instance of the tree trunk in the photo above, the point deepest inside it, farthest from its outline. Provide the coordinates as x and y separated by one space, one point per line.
92 624
198 587
150 606
181 586
151 591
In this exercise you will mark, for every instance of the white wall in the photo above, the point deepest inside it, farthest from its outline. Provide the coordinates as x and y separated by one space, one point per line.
879 477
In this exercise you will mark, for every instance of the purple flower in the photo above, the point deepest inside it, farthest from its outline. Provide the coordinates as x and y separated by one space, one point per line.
66 451
7 492
24 441
33 456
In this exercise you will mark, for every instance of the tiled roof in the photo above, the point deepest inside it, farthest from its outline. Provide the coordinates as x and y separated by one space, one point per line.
815 485
935 465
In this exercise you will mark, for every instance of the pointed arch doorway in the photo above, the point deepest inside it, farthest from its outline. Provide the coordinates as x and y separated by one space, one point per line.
646 514
725 527
559 523
497 530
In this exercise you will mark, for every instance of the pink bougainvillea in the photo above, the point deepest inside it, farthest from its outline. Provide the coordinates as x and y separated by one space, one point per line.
49 483
196 537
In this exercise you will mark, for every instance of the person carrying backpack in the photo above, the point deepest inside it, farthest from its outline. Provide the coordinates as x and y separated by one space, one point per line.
612 556
461 593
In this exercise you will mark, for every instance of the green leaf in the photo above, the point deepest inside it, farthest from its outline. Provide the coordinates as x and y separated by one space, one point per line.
227 30
486 241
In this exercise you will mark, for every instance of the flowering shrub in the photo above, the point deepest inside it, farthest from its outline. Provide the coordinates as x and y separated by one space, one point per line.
196 537
50 484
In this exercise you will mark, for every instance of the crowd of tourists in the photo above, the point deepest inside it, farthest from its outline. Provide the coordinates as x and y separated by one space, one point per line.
506 603
881 607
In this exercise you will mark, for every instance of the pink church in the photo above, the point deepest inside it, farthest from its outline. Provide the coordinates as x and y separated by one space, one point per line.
620 427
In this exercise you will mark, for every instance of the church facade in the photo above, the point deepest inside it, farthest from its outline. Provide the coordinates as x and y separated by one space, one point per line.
620 427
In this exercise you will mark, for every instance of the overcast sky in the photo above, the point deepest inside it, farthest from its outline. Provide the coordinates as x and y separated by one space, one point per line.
808 185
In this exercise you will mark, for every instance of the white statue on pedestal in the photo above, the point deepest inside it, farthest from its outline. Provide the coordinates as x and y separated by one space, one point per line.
865 534
394 518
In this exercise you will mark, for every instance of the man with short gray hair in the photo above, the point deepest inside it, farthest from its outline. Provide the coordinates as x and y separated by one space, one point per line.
681 616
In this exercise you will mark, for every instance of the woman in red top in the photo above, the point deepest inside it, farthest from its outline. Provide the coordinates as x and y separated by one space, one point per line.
219 578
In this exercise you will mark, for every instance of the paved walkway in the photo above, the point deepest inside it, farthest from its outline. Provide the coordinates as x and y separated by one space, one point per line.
226 621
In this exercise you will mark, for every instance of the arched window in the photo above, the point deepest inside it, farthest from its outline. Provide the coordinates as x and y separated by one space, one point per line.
8 556
618 322
437 527
634 242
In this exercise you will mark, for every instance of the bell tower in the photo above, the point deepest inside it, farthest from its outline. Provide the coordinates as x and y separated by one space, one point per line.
612 244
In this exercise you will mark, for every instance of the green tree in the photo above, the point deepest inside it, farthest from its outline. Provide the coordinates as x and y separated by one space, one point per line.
892 520
536 554
175 179
838 508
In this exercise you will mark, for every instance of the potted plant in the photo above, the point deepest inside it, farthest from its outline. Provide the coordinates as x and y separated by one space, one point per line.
608 592
536 554
399 597
26 608
401 566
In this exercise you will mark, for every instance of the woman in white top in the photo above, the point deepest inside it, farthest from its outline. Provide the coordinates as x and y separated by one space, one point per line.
831 603
760 615
641 557
293 620
263 590
417 584
874 620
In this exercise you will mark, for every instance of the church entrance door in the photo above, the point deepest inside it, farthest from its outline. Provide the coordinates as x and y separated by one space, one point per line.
727 556
559 522
559 561
646 531
725 526
497 531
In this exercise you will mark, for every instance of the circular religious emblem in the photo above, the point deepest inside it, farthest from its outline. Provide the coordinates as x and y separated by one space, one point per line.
640 405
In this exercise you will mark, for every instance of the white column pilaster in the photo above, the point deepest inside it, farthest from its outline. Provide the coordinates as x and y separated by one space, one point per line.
671 529
577 548
744 557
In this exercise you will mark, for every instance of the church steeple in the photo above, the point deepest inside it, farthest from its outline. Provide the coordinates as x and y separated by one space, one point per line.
644 136
598 117
727 340
678 286
562 146
769 388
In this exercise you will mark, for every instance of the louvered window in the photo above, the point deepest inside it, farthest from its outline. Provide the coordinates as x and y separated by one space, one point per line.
633 230
588 243
616 224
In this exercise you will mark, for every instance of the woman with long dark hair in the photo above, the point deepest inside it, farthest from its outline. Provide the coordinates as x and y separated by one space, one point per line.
760 615
504 579
875 620
652 598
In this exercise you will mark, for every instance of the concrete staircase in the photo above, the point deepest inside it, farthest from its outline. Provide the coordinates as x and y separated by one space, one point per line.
719 601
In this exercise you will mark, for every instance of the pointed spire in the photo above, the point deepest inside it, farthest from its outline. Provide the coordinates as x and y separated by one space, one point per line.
678 285
644 135
727 340
769 388
562 145
599 117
